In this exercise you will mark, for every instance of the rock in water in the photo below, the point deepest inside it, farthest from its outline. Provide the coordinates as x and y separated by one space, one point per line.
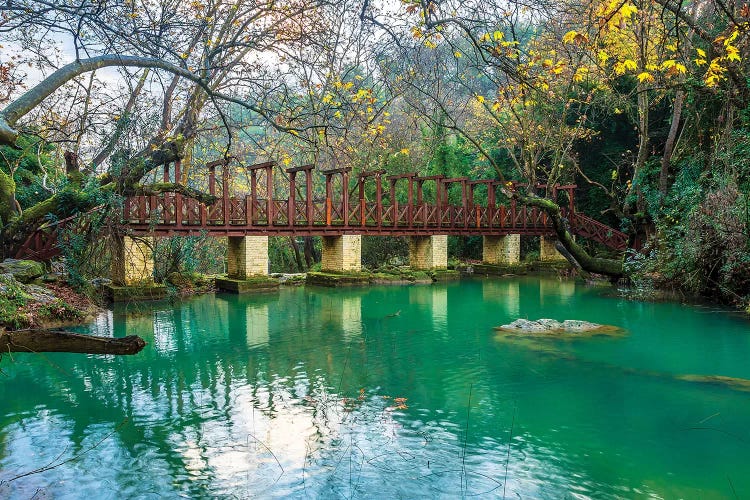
550 327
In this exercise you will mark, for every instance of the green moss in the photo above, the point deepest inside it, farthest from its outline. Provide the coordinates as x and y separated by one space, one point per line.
136 292
500 269
251 284
191 282
329 278
445 275
12 300
7 190
388 274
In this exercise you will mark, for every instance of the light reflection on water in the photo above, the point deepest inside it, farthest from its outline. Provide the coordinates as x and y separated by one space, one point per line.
299 394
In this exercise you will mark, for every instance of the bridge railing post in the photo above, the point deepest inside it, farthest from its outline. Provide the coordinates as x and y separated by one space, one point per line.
269 195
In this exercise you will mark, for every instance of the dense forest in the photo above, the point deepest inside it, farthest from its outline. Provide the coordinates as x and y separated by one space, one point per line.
643 104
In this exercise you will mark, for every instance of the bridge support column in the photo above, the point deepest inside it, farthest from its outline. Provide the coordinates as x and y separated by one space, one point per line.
342 253
132 261
501 249
547 250
247 256
428 252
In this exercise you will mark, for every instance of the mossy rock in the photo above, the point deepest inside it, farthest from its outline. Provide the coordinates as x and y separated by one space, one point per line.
135 292
248 285
550 328
400 275
333 279
24 306
445 275
24 271
549 267
500 269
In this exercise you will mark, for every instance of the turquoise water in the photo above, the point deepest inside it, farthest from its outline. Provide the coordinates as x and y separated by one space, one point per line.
386 392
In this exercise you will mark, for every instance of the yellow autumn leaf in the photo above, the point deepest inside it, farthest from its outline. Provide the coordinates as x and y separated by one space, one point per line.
627 10
645 76
457 54
732 37
570 36
701 53
733 54
497 36
629 64
480 98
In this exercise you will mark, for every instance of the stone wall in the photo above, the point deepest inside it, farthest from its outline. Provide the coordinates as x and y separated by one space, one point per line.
342 253
247 256
428 252
132 261
547 250
501 249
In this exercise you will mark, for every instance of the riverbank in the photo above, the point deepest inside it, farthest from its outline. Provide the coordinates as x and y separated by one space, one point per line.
37 304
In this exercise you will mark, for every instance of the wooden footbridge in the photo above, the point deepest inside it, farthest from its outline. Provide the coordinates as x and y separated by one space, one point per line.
337 210
348 211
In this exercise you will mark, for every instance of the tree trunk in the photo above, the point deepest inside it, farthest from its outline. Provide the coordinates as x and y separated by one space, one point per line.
609 267
666 159
295 249
310 256
60 341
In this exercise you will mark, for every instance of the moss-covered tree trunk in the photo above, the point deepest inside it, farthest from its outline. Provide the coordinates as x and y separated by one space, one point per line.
608 267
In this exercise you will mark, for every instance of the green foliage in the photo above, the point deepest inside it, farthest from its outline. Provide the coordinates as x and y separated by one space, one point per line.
188 256
379 250
703 229
85 243
29 164
281 255
465 247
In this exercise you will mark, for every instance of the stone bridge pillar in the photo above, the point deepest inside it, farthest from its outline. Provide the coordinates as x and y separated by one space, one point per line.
501 249
428 252
342 253
547 250
247 256
132 261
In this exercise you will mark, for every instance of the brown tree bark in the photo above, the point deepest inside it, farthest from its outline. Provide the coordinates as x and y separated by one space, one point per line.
666 159
61 341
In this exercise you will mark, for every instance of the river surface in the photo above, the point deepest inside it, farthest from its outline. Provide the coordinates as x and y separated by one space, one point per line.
386 392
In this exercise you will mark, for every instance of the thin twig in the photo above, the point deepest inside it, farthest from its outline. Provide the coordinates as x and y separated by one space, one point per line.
507 459
466 438
71 459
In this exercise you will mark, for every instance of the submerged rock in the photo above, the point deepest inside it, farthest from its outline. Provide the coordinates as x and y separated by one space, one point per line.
738 384
549 327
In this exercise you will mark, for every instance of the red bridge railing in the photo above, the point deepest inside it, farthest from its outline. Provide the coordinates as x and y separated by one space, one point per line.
337 210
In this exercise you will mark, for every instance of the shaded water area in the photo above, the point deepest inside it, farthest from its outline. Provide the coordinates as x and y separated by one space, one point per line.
387 392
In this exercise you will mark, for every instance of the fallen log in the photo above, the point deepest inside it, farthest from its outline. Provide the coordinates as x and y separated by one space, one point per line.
61 341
